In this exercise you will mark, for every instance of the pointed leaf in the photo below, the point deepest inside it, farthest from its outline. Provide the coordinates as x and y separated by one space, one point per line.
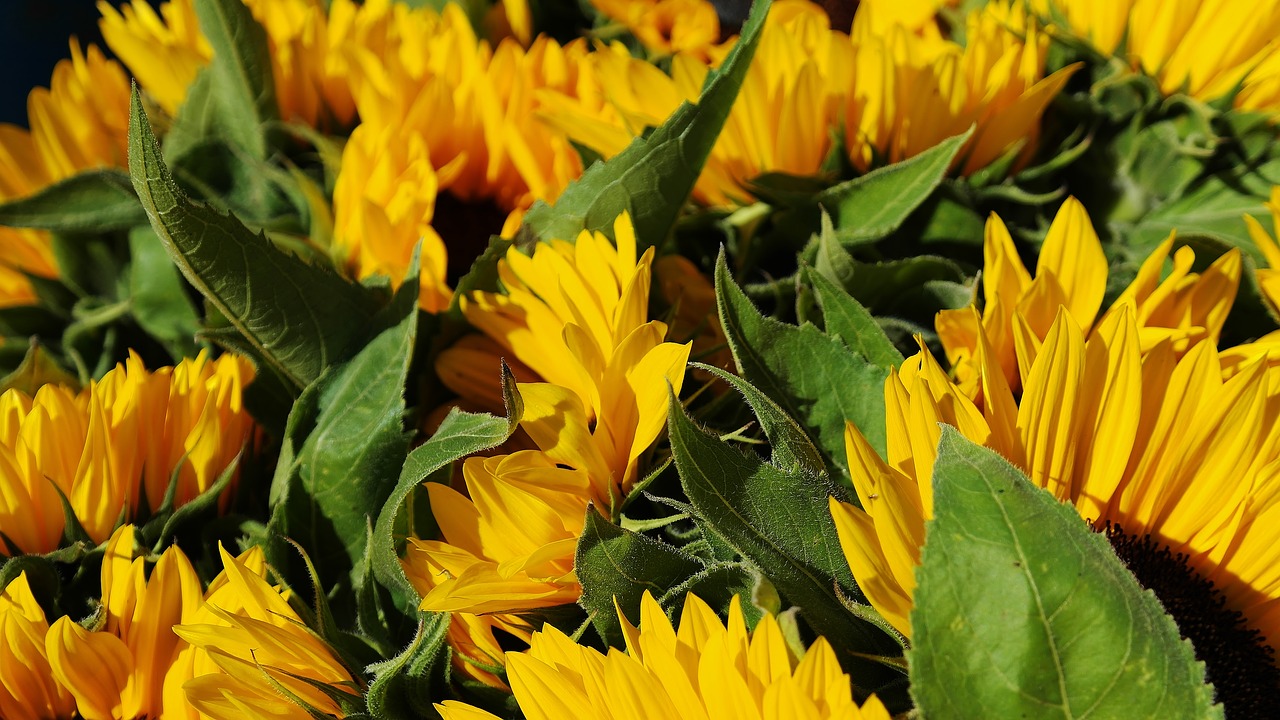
654 176
613 563
816 379
846 318
241 84
92 201
405 687
779 522
299 318
344 446
876 204
1023 611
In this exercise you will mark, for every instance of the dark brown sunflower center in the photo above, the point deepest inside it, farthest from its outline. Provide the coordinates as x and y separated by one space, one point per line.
465 227
1237 659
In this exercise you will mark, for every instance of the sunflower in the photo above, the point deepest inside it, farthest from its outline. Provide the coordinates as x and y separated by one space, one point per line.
119 670
483 165
667 27
1155 449
250 655
166 50
29 690
78 123
911 90
1203 48
1184 307
89 446
706 669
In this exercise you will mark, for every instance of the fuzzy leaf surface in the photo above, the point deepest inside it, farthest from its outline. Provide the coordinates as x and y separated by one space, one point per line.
1023 611
298 318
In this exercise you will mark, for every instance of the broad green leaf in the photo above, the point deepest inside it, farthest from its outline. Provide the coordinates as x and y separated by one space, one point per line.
780 522
846 318
158 296
406 686
882 286
461 434
815 378
196 122
240 83
37 369
298 318
873 205
1022 611
654 176
344 446
613 563
1214 208
793 451
92 201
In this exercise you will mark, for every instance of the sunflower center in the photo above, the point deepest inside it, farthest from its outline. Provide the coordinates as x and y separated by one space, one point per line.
465 227
1237 659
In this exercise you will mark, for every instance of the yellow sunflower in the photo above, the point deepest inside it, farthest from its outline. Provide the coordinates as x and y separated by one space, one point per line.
667 27
781 121
910 90
91 446
78 123
706 669
249 654
1203 48
415 68
29 690
1184 307
1159 451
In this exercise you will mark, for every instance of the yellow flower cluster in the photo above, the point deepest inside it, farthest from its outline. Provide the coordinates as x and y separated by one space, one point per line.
705 670
894 87
113 449
77 123
160 647
574 315
1133 419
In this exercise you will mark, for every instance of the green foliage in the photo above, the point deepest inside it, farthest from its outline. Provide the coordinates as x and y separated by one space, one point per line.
299 319
870 207
1022 611
779 520
343 448
653 177
617 565
241 97
406 686
814 377
93 201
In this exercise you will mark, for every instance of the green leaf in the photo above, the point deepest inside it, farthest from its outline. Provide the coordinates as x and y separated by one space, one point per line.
405 687
200 509
92 201
37 369
815 378
344 445
793 451
196 122
613 563
298 318
158 296
780 522
846 318
240 81
1214 208
654 176
873 205
1022 611
461 434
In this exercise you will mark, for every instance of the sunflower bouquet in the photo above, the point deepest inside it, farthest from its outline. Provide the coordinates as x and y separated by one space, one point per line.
650 359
